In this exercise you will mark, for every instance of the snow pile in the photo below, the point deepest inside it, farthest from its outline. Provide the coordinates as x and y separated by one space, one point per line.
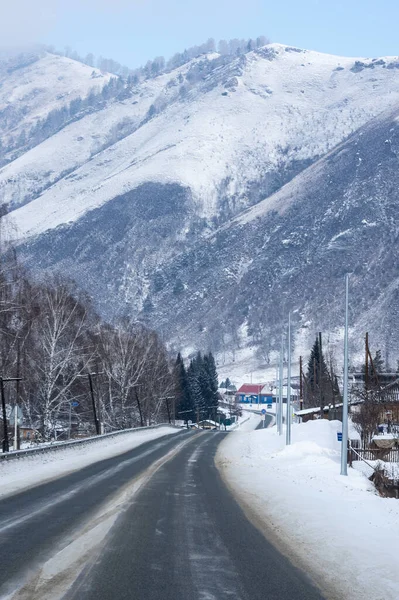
18 474
336 528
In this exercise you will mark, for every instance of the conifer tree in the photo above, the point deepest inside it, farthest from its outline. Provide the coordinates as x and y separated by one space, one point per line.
378 362
183 397
317 376
195 383
211 399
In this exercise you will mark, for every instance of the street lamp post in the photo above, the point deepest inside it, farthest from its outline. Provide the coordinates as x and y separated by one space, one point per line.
344 447
288 426
280 394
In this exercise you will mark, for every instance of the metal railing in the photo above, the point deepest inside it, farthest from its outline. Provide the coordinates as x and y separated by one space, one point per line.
89 440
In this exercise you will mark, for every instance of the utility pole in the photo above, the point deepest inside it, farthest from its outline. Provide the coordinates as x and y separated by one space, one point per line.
171 417
366 364
344 447
6 446
16 407
93 402
6 442
70 420
288 426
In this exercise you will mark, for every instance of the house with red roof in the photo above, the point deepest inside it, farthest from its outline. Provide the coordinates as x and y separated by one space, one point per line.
254 393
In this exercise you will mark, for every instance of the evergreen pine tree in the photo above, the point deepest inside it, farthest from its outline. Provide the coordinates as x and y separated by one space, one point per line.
183 397
211 399
378 362
194 384
317 376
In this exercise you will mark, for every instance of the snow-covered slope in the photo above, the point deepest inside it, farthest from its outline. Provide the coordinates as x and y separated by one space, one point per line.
232 137
202 197
33 85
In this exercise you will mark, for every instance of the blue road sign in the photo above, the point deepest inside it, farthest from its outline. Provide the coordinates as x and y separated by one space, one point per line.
75 403
263 411
339 436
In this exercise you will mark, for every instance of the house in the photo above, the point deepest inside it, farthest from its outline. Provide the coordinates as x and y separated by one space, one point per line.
28 433
329 412
254 393
294 394
385 392
261 393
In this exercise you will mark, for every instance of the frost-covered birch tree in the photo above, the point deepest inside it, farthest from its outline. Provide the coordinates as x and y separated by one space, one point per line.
60 352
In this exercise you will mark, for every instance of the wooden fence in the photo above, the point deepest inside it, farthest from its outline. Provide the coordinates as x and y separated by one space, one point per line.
357 451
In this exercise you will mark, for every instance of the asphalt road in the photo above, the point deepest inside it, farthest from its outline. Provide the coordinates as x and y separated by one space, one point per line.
35 522
267 418
184 537
181 537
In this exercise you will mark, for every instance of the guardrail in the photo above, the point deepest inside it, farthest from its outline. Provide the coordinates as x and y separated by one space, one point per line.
90 440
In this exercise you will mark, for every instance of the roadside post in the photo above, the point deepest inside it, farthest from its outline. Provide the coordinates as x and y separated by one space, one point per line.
264 416
344 453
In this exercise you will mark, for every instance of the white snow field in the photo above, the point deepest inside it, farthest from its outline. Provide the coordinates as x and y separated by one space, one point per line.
47 84
19 474
272 107
334 527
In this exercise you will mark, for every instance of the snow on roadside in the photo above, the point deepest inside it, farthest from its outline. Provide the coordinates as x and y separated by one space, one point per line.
19 474
248 422
335 527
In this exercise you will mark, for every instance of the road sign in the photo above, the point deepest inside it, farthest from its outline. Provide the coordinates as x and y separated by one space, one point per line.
189 422
263 411
20 416
339 436
75 403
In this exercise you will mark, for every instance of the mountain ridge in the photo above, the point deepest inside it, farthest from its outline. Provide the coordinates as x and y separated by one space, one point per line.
213 164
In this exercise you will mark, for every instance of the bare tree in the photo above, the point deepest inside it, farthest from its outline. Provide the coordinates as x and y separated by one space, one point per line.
59 352
367 417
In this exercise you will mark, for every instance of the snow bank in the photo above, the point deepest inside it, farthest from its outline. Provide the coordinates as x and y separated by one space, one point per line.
19 474
336 528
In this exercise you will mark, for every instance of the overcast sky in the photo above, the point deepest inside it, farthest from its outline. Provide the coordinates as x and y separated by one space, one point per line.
133 31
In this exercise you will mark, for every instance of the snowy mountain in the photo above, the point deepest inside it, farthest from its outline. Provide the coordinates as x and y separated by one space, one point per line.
32 85
201 198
